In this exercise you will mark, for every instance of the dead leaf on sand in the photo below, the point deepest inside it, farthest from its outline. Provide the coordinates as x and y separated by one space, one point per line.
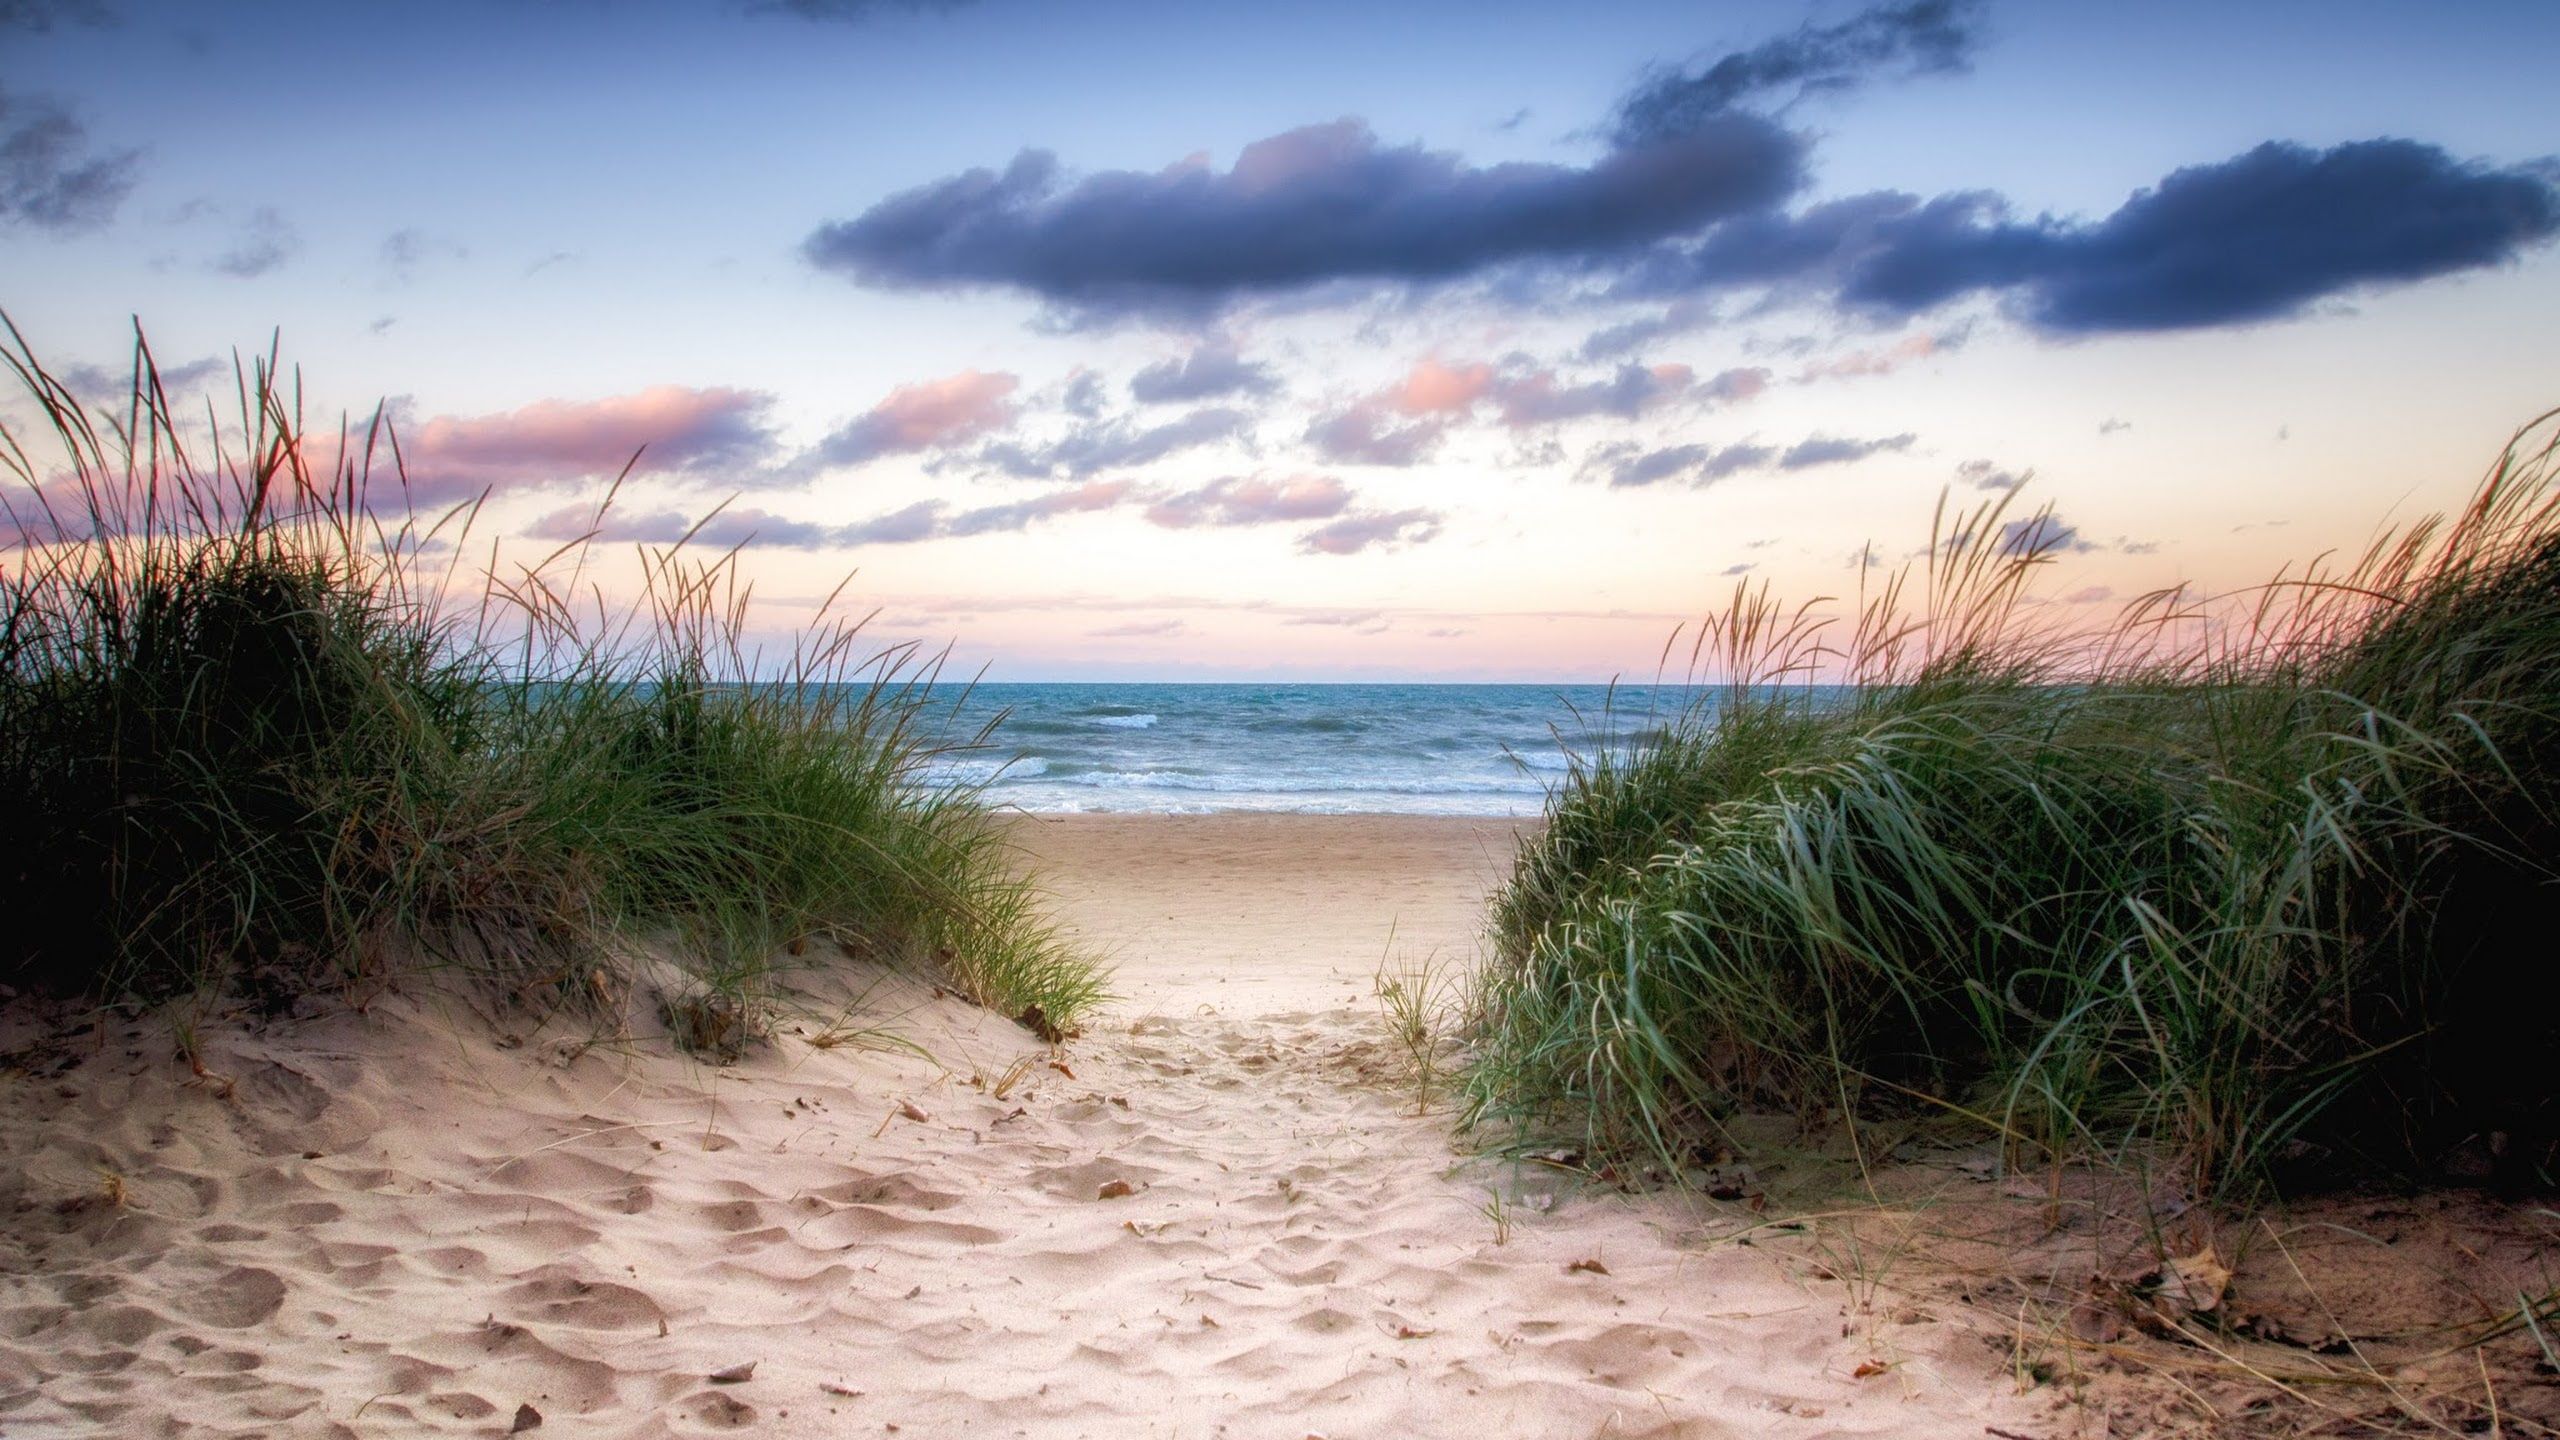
833 1388
2195 1283
1589 1265
1115 1189
527 1418
915 1112
738 1374
1869 1368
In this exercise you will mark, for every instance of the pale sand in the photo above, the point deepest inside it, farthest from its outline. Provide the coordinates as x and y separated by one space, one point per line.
399 1224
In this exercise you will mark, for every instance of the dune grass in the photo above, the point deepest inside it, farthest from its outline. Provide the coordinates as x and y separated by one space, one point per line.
2251 888
263 730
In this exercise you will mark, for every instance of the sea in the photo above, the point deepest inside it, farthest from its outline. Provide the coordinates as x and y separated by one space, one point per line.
1189 749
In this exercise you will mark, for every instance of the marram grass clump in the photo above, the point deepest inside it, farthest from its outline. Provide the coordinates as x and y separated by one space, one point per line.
262 730
2254 888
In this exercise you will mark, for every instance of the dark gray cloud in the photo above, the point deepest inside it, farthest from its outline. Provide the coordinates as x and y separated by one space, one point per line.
50 177
1830 450
1686 201
2261 236
265 242
2111 425
1207 373
1116 444
1371 530
1322 203
1919 37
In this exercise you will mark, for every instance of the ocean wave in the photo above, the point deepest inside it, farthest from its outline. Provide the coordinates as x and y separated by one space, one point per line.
1311 725
1135 720
1239 783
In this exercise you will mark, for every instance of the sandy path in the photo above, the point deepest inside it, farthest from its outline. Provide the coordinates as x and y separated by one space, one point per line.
399 1225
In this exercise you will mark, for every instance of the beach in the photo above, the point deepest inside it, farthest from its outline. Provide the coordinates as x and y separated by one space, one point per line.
905 1215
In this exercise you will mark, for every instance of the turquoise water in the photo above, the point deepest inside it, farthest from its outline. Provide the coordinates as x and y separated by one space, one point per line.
1341 749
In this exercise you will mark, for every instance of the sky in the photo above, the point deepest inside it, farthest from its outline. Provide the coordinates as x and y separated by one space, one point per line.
1488 341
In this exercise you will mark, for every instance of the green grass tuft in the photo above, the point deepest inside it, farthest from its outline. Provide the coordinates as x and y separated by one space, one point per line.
2255 883
262 729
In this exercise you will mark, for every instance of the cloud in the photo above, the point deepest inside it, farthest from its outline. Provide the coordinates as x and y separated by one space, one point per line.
1118 444
1611 341
1432 388
1884 360
722 530
1985 475
702 434
1367 433
1347 619
1371 529
2111 425
1206 373
1023 514
49 178
1744 568
1139 629
2042 534
113 384
405 249
265 242
1627 466
2257 237
927 415
1083 395
920 521
1252 500
1921 37
1537 398
1318 204
1633 467
1827 450
1404 423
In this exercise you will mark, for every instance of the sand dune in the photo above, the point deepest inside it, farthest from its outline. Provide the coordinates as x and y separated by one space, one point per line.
412 1222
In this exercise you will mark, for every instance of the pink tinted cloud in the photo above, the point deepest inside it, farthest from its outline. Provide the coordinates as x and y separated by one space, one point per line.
924 416
558 442
1252 500
1433 388
1882 360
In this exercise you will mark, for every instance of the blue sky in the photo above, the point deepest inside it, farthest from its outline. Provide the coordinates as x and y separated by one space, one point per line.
1329 341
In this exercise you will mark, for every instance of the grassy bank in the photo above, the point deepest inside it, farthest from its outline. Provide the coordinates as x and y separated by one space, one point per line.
2248 889
263 729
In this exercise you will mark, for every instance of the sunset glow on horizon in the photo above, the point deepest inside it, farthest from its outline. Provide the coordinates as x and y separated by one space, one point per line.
1119 340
